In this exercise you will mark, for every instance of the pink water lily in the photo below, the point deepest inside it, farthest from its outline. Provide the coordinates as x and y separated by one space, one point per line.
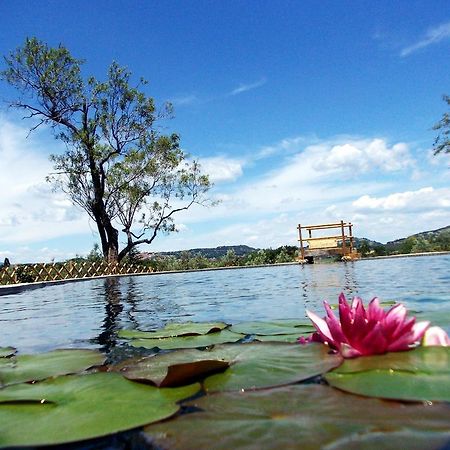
366 332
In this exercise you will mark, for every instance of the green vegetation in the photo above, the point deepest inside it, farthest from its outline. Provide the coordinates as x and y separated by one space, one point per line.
428 241
188 260
442 142
117 166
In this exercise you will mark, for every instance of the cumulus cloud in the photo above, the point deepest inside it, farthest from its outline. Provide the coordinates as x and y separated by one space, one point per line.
424 199
220 168
363 156
433 36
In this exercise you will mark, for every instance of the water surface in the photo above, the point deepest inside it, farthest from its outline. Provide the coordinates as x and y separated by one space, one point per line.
88 314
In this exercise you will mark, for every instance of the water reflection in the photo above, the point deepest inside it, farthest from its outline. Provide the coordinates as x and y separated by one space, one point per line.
350 286
107 339
326 282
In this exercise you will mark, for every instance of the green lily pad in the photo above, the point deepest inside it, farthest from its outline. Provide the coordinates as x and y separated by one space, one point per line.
78 407
276 327
23 368
5 352
172 369
303 417
175 329
288 338
188 341
422 374
262 364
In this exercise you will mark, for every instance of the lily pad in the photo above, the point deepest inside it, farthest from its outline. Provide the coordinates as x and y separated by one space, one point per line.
5 352
78 407
306 417
175 329
276 327
172 369
23 368
188 341
288 338
422 374
262 364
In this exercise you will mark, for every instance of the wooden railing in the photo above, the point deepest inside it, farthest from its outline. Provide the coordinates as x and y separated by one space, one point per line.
33 273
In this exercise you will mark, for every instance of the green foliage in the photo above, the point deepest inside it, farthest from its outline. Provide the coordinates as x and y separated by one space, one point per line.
191 261
95 254
24 275
118 167
442 142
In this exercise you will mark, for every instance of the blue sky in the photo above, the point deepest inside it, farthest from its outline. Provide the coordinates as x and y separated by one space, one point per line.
302 112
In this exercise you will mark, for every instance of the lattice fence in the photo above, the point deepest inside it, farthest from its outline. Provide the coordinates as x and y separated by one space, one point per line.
32 273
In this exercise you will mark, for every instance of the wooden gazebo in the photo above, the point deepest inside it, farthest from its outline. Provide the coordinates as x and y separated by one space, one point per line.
339 243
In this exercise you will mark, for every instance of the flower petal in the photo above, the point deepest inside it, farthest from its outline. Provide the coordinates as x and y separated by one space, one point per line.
375 311
436 336
419 330
345 315
374 343
321 326
334 325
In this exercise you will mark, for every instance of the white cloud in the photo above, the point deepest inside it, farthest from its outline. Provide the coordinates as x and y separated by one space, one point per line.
220 168
421 200
432 36
248 87
363 156
315 176
31 212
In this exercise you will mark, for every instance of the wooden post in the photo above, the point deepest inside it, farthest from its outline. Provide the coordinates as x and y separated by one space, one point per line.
344 247
302 251
350 233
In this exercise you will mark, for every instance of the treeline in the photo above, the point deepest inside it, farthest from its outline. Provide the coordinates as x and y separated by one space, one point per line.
191 261
187 260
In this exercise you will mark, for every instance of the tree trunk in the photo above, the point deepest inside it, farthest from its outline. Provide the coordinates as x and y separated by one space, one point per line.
113 245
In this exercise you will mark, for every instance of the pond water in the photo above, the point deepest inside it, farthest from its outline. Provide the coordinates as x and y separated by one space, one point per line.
88 314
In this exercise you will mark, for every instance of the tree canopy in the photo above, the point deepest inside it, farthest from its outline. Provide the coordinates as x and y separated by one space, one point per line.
442 142
117 166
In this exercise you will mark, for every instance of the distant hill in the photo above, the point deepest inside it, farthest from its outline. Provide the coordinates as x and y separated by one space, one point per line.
422 234
441 235
211 253
360 241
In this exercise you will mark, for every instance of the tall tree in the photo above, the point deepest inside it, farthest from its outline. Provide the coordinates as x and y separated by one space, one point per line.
117 166
442 142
